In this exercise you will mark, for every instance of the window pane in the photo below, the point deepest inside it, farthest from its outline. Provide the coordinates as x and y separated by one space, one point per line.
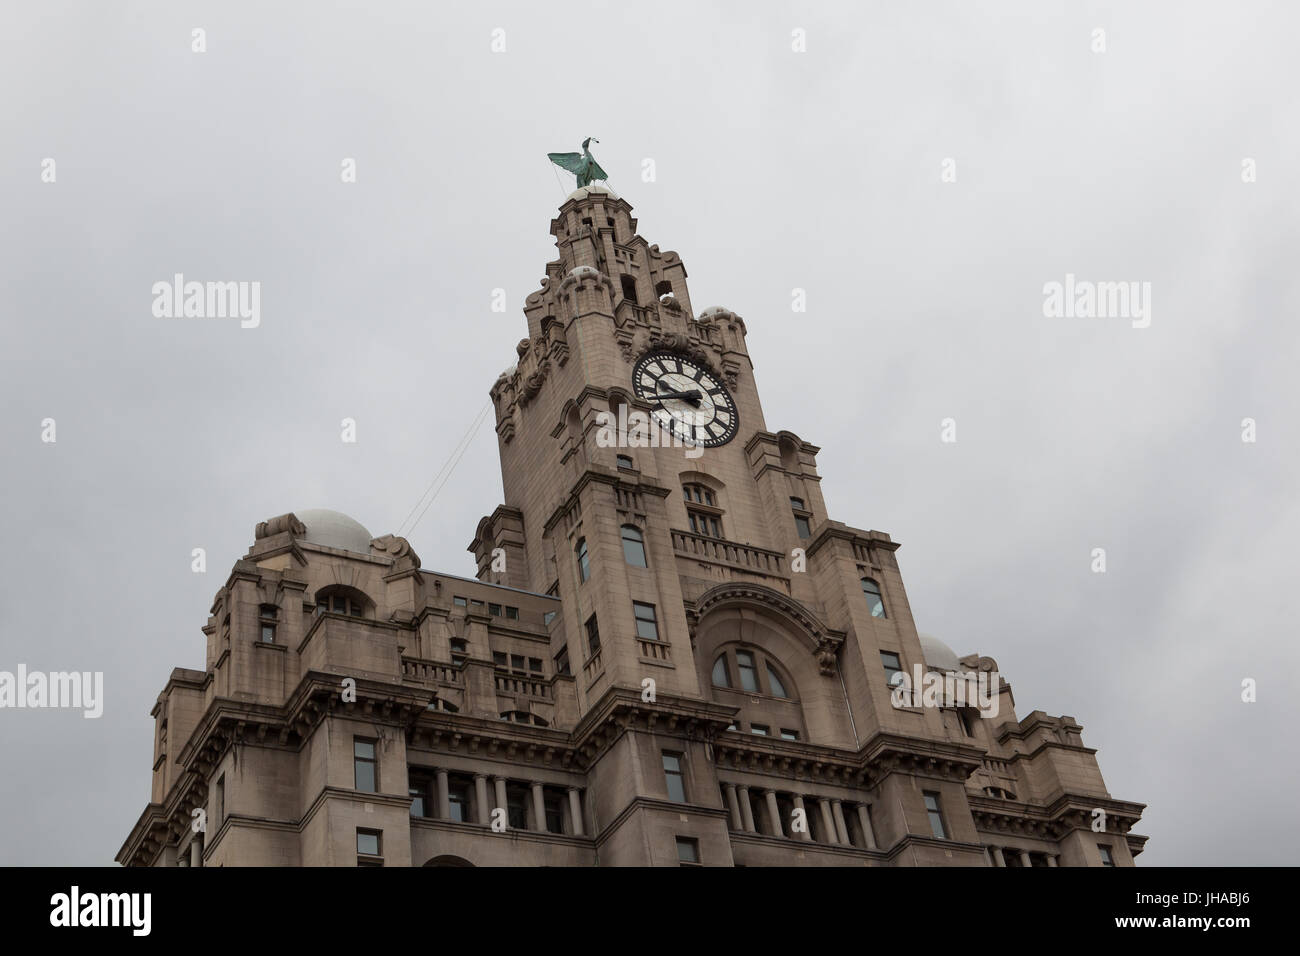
797 504
936 816
688 850
340 604
874 601
460 602
802 527
633 547
584 568
748 676
363 748
512 613
368 843
494 609
760 730
673 778
720 676
789 734
268 633
774 682
893 666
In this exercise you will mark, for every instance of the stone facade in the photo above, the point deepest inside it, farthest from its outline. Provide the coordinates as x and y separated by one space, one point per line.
670 654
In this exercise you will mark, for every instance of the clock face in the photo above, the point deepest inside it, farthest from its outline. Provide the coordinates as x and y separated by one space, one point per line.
688 401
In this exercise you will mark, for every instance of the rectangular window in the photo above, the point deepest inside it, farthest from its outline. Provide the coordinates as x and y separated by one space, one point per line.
494 609
893 666
789 734
761 730
1106 858
369 843
548 617
458 798
460 601
593 636
418 788
935 814
517 798
801 525
535 665
554 804
516 662
562 661
646 627
673 776
268 614
748 673
474 603
219 800
365 764
499 659
512 613
688 851
459 649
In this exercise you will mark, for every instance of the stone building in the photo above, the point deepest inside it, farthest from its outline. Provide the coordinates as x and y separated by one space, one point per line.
671 653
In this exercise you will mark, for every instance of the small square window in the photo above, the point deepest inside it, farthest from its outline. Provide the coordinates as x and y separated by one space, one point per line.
369 842
787 734
512 613
535 665
499 659
762 730
460 601
494 609
688 851
517 662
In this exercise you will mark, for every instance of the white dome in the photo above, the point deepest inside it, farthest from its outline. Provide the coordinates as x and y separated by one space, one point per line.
333 529
939 655
594 189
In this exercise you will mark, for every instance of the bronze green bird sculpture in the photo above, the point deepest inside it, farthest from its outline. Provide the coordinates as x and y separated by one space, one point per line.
583 165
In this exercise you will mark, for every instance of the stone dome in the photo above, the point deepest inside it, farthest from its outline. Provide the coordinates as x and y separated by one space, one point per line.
938 655
593 189
333 529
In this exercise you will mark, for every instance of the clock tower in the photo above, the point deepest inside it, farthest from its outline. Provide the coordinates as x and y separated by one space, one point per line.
730 645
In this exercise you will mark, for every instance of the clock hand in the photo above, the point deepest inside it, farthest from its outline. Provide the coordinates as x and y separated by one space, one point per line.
693 396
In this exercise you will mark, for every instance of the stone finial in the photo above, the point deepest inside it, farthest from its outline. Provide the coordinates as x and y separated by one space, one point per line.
280 524
397 548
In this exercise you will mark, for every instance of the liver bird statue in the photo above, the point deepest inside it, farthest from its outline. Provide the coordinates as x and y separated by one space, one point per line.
583 165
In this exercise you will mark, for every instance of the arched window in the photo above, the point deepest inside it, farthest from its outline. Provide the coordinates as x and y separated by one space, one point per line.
341 600
633 546
774 683
584 565
758 673
874 600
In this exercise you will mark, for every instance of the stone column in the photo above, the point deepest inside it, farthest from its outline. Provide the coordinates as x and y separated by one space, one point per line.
1051 859
746 811
828 820
773 813
733 806
1024 859
539 808
196 850
499 790
998 858
575 810
444 797
481 798
798 805
841 827
864 820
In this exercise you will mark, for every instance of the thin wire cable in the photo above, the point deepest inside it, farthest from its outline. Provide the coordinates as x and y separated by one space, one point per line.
469 434
463 447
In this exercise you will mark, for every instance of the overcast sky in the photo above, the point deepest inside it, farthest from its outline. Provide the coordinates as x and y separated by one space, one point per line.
776 170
